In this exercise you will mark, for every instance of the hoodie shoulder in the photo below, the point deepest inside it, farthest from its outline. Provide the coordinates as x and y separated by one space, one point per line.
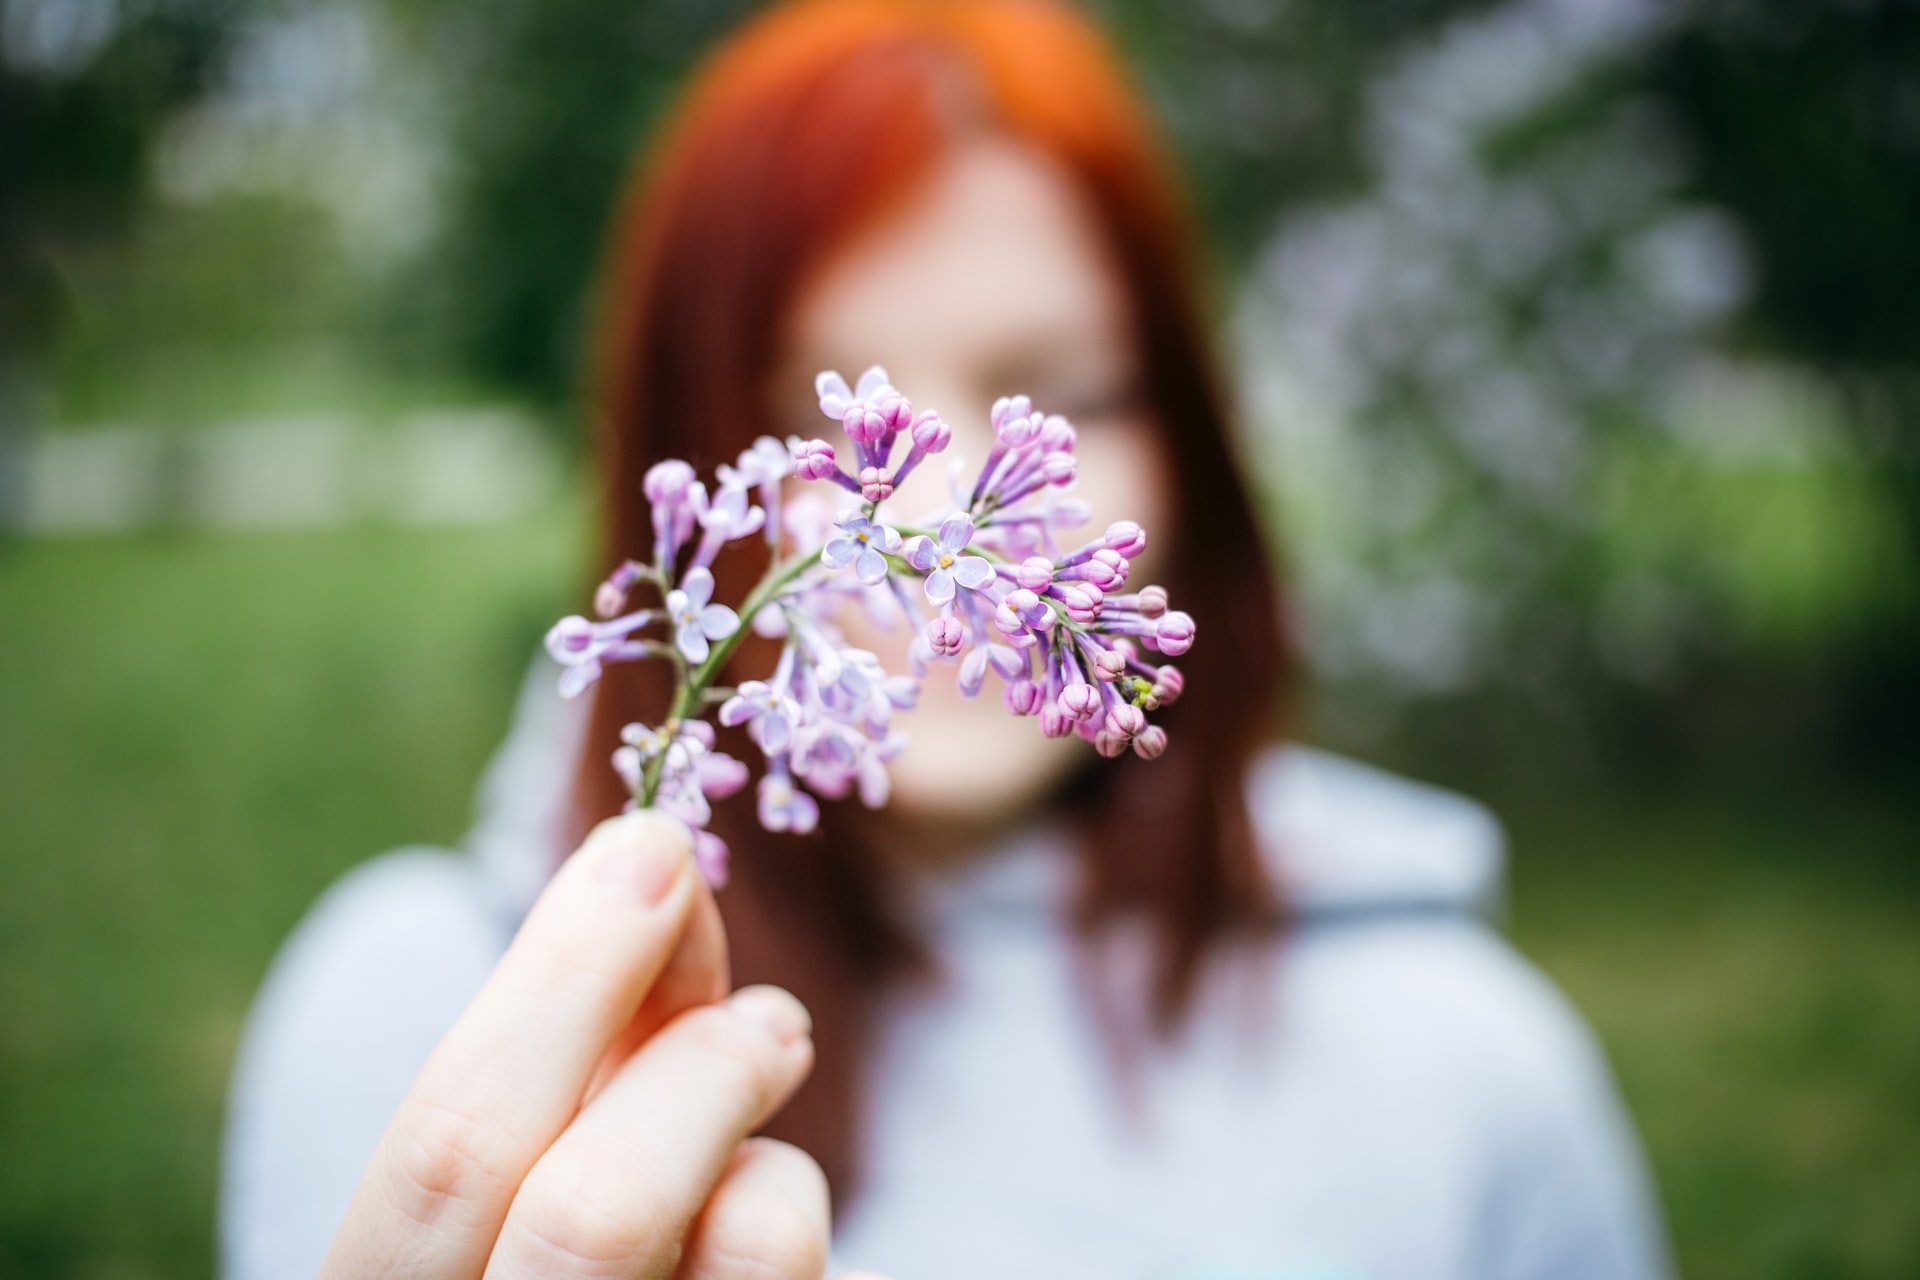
1344 837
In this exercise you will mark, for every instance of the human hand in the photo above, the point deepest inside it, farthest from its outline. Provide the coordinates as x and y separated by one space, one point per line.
588 1114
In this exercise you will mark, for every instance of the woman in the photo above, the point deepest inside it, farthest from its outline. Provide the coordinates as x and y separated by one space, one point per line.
1231 1012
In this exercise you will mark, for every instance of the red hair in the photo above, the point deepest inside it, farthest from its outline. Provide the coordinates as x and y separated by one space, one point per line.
804 127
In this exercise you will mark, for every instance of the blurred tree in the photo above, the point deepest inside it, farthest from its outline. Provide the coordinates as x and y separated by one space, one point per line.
84 90
549 102
552 100
1804 122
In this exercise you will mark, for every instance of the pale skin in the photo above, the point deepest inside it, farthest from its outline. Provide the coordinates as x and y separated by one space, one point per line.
589 1114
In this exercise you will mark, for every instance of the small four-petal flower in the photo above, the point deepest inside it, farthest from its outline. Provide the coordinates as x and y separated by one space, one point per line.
695 621
942 562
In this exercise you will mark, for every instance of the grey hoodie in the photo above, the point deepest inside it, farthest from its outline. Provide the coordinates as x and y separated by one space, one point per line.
1388 1091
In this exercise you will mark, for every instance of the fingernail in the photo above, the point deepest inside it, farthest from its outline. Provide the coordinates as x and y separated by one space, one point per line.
775 1010
645 859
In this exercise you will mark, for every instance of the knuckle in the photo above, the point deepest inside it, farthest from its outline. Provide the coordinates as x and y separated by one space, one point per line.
754 1232
448 1153
597 1217
760 1236
739 1056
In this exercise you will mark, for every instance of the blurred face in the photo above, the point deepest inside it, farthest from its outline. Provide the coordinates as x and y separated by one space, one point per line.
992 281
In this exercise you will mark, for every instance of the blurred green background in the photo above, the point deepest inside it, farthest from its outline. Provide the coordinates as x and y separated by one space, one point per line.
1579 352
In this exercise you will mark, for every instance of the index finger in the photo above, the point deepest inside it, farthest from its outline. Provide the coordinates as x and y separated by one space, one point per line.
511 1073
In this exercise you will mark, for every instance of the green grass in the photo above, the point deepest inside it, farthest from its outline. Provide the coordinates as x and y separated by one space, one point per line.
1754 969
198 732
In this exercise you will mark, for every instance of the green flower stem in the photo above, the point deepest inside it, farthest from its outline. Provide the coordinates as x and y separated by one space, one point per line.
691 684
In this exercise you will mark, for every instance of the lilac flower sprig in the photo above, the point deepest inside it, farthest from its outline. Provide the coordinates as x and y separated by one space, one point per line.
991 589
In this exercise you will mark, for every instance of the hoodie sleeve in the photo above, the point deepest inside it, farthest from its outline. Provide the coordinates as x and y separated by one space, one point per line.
357 998
1567 1193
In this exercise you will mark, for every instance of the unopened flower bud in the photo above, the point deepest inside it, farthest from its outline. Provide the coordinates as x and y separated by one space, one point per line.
1054 723
667 482
1150 742
1034 573
1007 408
812 459
1174 631
1056 434
930 434
572 634
894 411
1109 745
1168 684
1079 701
1108 665
1153 602
1082 599
1127 538
608 598
945 636
1058 468
1024 698
876 484
863 424
1125 720
627 763
1106 570
611 596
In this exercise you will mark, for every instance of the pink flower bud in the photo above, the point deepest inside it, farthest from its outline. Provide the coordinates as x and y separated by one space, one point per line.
1150 742
1168 684
667 482
1024 698
863 424
1127 538
572 634
1153 602
1054 723
1108 665
930 435
1083 600
1174 631
813 459
1007 408
1125 720
1079 701
1105 570
1017 431
945 636
1109 745
1058 468
1034 573
876 484
1056 434
721 776
895 413
608 598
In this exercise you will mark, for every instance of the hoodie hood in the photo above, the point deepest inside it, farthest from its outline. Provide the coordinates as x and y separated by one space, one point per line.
1342 837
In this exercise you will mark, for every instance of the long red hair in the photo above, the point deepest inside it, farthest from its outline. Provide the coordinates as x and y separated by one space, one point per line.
803 128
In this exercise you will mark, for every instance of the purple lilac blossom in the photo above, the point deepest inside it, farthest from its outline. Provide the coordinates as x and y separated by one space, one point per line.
1061 627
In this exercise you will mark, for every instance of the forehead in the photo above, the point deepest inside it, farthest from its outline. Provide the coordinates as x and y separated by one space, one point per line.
995 250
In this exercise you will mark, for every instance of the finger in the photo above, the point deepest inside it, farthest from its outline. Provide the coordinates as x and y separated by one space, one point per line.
505 1081
616 1193
697 974
767 1220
